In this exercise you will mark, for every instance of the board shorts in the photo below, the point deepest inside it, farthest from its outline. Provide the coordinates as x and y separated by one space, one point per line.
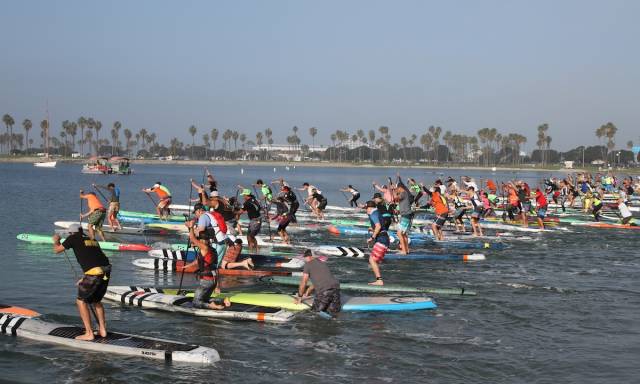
254 227
202 294
114 208
221 249
542 212
96 218
526 206
440 220
405 223
283 222
327 301
164 203
459 213
322 205
477 213
91 288
379 250
231 227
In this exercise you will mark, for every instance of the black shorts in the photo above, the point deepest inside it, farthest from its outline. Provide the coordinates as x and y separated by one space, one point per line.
254 227
322 205
283 224
91 289
441 219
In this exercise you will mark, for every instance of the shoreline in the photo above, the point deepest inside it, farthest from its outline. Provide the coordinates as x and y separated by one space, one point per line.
313 164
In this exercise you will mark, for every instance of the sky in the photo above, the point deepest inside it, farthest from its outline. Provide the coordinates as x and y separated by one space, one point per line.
251 65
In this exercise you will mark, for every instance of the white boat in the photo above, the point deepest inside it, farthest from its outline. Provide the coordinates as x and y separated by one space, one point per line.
45 164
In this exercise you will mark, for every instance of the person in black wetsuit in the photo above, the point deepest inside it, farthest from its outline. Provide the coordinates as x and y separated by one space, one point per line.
93 284
291 199
252 208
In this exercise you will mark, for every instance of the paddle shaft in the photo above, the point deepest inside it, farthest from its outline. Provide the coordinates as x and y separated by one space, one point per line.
188 240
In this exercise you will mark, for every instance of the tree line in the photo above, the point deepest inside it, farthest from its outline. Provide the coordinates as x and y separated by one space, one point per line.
433 145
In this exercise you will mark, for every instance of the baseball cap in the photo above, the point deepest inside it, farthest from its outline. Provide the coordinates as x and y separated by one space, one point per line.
377 195
246 192
213 194
307 252
73 228
156 185
371 204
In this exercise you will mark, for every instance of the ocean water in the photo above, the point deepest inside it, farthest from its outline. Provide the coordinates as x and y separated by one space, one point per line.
564 307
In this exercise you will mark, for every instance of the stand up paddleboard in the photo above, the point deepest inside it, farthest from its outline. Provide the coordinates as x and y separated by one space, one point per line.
23 322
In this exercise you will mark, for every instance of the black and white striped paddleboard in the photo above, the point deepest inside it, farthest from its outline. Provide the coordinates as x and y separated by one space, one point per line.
331 250
115 342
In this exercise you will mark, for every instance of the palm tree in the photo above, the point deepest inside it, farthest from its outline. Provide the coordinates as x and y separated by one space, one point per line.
226 136
97 126
127 136
384 132
114 138
207 144
137 136
44 127
234 136
214 138
313 131
610 133
259 140
243 139
192 131
268 134
27 125
143 136
116 127
82 123
8 122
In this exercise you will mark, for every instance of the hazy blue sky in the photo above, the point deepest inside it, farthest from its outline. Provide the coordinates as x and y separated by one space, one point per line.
249 65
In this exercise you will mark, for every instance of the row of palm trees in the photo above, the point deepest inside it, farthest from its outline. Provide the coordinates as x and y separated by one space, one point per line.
488 146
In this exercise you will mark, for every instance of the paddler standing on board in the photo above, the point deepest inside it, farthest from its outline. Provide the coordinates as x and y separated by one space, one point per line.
95 216
404 199
114 205
441 207
265 189
252 208
325 285
94 282
541 207
379 238
164 199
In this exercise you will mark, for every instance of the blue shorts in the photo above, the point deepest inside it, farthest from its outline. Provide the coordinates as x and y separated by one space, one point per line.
542 212
405 223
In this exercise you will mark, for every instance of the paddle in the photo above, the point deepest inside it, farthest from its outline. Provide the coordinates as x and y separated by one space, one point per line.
321 314
188 239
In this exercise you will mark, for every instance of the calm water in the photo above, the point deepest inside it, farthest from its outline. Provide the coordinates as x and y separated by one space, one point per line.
564 308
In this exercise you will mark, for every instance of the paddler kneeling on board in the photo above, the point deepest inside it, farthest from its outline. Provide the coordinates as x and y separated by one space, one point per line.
326 286
206 261
93 285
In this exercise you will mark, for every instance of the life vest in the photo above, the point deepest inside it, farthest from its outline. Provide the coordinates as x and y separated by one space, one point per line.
162 192
386 218
439 203
206 263
218 229
93 202
384 226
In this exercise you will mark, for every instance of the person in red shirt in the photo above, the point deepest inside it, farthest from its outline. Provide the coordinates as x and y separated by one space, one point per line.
541 206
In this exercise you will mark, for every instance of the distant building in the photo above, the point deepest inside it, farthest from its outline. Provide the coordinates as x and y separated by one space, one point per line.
281 148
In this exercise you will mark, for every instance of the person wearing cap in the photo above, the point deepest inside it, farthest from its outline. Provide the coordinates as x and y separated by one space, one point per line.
379 238
325 285
211 226
95 215
207 263
164 199
252 208
95 280
114 205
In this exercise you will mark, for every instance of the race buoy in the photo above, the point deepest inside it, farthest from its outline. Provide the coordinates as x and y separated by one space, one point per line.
274 169
493 169
242 171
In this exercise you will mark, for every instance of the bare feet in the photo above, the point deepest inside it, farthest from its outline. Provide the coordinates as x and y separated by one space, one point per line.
102 332
377 282
87 336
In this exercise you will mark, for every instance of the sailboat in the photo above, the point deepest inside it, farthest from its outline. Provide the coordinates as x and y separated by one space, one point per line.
46 162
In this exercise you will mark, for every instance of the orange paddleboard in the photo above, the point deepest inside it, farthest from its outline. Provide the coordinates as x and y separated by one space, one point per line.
11 310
